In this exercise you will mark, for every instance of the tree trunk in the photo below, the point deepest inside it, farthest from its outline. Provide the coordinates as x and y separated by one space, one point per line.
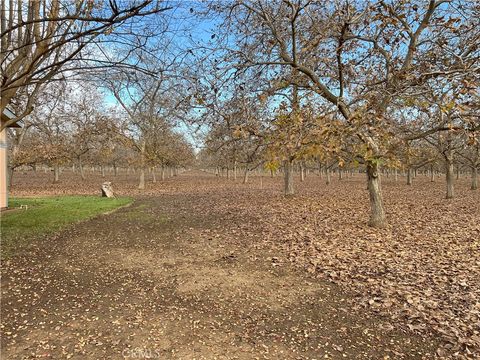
235 170
396 174
245 175
82 170
56 173
327 170
115 170
409 176
340 174
154 176
377 215
449 175
288 177
302 173
474 179
432 174
103 171
163 172
11 171
141 183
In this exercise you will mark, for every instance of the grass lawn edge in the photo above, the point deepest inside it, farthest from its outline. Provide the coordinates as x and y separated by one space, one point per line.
50 215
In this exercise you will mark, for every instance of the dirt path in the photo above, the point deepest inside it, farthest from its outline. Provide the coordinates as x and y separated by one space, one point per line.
175 276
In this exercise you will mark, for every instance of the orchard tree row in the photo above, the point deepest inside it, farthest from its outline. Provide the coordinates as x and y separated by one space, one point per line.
377 86
91 83
371 85
286 143
71 126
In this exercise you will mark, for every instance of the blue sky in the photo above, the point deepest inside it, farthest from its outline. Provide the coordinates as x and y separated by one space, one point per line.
185 30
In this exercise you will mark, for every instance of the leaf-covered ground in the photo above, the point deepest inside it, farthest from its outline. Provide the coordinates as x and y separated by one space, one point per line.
204 269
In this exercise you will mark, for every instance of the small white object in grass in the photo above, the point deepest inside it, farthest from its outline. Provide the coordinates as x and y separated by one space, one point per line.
25 207
107 190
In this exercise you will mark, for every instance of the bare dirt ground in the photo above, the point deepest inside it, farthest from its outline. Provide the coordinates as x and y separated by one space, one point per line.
211 269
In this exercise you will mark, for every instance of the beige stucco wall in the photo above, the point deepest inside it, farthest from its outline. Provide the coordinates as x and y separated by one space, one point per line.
3 169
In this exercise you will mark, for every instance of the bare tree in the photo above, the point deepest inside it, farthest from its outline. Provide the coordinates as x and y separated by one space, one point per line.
42 40
356 56
52 130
